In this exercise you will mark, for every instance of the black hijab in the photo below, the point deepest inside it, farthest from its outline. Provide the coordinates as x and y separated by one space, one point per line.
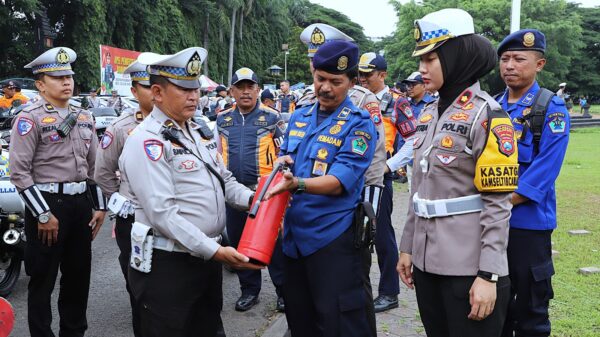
464 61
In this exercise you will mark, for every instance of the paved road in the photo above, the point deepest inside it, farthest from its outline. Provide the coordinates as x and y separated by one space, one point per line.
108 311
109 315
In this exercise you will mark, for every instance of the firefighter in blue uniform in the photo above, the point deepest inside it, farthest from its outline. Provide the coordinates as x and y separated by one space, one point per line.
251 134
534 202
329 146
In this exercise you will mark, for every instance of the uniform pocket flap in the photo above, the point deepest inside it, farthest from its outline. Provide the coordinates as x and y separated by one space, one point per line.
292 144
352 300
543 271
322 153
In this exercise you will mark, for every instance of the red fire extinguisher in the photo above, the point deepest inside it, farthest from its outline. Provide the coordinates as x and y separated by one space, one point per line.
264 220
7 317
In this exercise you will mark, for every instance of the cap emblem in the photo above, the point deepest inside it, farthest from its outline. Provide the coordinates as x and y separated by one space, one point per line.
417 33
317 37
244 72
342 63
528 39
62 57
193 65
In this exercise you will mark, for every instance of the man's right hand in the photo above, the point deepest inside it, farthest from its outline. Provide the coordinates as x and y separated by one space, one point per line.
404 268
48 232
236 260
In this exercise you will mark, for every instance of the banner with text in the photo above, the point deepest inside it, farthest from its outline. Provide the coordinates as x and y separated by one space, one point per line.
113 62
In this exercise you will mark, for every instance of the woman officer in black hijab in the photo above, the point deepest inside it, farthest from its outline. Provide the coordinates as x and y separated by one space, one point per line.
453 248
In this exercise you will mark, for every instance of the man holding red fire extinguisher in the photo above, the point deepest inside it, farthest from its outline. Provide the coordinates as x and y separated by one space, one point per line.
328 146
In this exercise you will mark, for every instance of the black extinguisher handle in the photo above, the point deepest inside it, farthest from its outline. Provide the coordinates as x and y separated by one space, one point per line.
261 195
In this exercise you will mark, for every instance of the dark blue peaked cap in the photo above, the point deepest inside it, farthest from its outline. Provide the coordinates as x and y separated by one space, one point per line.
524 39
336 57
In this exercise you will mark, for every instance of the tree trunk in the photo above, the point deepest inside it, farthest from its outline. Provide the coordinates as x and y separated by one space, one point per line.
231 43
206 44
241 26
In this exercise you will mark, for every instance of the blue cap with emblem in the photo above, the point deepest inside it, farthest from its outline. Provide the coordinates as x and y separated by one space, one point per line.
524 39
371 61
138 72
317 34
438 27
244 74
336 57
54 62
181 69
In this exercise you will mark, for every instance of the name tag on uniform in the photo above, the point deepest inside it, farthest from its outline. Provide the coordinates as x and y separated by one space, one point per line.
319 168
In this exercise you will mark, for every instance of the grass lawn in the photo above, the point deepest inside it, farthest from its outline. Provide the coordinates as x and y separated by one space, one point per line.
575 310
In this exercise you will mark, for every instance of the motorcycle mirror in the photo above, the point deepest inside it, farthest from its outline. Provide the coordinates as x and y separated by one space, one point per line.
16 103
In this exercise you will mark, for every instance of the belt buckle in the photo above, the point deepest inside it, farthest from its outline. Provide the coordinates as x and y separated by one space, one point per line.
423 209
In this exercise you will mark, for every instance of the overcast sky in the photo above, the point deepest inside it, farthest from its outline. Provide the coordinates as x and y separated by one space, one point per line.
378 17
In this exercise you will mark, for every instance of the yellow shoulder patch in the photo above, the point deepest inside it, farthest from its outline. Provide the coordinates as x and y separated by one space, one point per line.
497 169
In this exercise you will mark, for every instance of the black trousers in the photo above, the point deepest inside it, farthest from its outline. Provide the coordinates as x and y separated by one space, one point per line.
123 236
325 293
180 297
251 280
385 243
72 254
530 268
444 306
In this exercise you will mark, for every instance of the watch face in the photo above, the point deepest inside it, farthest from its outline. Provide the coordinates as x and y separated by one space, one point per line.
44 218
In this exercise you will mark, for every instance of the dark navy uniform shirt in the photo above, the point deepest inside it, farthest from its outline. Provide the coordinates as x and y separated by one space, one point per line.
250 142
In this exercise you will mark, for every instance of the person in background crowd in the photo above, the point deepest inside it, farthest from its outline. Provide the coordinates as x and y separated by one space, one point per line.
12 92
267 98
398 121
286 100
93 100
418 96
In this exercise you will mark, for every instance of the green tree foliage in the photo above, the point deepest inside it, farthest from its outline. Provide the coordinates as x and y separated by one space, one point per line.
260 27
492 19
304 13
584 77
17 24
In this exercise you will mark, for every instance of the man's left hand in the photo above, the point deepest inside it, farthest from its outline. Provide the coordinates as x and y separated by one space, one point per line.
482 298
288 183
96 222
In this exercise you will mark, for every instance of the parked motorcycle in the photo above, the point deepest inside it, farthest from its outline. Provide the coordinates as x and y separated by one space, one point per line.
12 229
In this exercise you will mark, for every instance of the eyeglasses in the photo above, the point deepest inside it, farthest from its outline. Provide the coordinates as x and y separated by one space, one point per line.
366 75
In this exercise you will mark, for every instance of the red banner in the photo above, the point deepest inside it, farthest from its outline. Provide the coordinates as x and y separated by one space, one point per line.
113 62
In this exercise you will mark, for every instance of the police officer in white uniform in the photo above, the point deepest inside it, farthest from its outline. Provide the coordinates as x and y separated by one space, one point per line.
180 184
53 151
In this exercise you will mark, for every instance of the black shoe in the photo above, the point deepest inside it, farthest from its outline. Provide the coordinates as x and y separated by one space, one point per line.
246 302
280 304
385 302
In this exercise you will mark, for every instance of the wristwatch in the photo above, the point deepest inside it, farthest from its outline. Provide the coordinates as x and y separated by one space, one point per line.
490 277
44 217
301 186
